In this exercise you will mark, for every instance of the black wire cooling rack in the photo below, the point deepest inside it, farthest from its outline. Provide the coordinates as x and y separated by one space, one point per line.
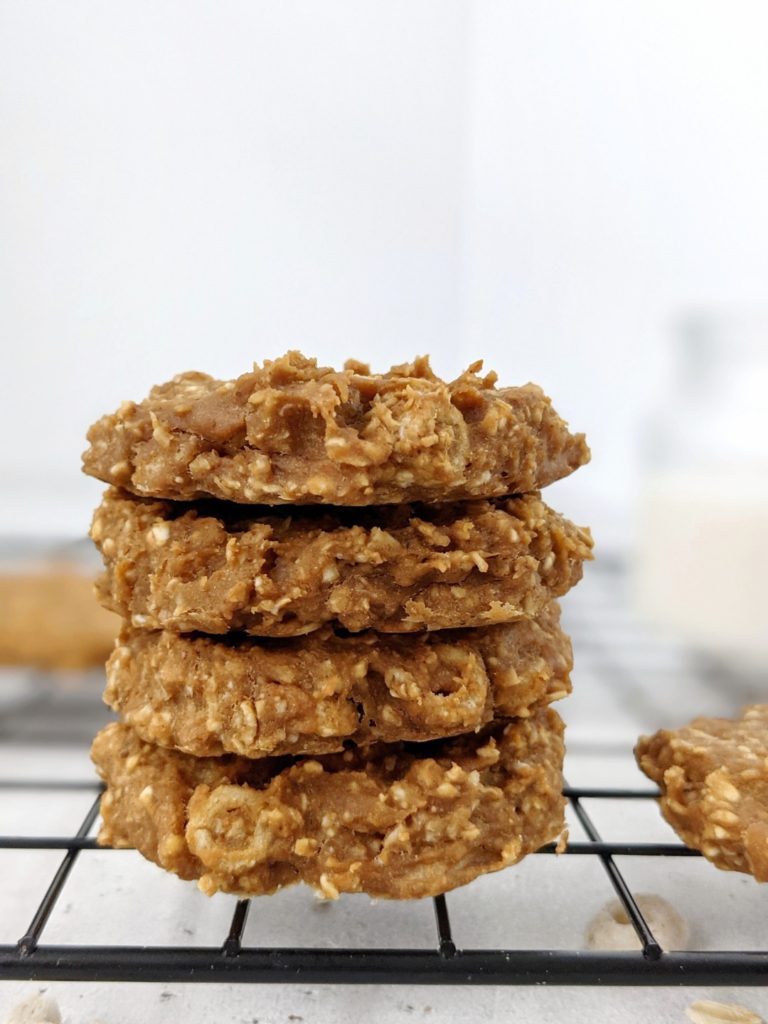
32 959
617 661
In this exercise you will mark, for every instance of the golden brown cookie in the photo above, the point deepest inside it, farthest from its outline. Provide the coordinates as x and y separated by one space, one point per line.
399 821
50 618
713 775
316 694
293 432
215 569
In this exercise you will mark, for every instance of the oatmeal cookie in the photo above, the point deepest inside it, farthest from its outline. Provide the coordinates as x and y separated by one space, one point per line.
713 775
400 821
50 618
293 432
212 568
316 694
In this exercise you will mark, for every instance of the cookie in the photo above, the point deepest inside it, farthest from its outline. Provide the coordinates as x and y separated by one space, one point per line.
50 619
293 432
713 775
396 821
316 694
215 568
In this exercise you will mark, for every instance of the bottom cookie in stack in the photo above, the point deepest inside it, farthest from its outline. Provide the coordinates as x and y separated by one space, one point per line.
399 821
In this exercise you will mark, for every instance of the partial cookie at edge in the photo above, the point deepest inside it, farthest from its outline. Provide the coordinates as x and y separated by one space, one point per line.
713 775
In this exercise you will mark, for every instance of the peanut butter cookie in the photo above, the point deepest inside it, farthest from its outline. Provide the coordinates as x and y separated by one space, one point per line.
400 821
213 567
713 775
316 694
293 432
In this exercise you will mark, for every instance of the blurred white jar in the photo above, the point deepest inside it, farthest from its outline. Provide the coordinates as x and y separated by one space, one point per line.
701 569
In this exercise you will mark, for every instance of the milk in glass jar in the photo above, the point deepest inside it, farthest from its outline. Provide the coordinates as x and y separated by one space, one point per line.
701 568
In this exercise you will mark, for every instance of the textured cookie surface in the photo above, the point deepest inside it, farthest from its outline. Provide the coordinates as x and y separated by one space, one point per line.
51 618
713 775
215 569
293 432
315 694
397 821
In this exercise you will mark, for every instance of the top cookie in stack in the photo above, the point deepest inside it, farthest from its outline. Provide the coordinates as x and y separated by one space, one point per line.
294 433
265 631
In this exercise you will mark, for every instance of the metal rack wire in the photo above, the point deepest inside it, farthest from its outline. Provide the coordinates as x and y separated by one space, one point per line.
31 958
615 657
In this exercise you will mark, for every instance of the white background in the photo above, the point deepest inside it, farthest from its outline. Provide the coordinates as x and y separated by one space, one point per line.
205 184
548 184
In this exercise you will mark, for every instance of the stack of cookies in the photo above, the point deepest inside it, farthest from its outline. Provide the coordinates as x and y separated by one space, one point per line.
341 636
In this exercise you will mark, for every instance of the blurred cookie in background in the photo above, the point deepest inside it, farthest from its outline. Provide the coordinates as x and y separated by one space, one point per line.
50 618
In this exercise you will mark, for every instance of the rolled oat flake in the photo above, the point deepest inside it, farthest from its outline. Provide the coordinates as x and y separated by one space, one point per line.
704 1011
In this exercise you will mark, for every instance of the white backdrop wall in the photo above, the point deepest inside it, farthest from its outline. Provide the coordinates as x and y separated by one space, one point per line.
188 184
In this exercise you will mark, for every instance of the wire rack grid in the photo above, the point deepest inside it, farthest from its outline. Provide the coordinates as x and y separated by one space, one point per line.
618 655
30 958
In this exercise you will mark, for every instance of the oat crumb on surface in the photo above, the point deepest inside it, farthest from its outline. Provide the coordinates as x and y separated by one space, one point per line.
611 927
705 1011
37 1009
